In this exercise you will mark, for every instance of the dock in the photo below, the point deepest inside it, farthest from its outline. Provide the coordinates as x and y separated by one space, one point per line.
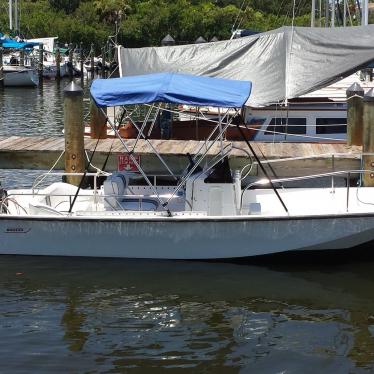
38 152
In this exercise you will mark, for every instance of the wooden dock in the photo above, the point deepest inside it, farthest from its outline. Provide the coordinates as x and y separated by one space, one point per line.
37 152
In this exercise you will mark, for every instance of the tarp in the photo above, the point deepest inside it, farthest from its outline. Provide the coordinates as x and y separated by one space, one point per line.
10 43
171 88
281 64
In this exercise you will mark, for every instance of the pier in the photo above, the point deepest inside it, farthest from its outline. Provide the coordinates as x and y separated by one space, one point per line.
38 152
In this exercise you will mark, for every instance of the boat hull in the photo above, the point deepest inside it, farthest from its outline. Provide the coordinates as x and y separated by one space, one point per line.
20 77
175 238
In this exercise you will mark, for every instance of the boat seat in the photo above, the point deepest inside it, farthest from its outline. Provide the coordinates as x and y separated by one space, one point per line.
135 203
43 209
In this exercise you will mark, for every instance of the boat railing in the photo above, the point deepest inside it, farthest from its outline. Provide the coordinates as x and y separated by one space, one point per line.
346 173
333 157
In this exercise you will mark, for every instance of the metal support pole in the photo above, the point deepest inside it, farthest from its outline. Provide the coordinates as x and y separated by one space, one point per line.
345 13
58 62
71 62
327 13
11 15
74 132
92 62
1 68
313 14
40 65
81 62
103 62
259 163
133 159
333 13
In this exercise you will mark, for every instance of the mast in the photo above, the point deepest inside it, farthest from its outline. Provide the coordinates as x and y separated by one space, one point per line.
327 5
332 13
16 15
345 13
313 15
365 11
10 15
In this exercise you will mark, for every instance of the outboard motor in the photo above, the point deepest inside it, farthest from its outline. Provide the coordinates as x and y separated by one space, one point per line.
3 200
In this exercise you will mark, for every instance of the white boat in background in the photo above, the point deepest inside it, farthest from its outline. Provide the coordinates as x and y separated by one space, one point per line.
206 212
320 116
20 76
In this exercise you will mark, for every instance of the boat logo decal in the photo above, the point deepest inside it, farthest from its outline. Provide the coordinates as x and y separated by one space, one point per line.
16 230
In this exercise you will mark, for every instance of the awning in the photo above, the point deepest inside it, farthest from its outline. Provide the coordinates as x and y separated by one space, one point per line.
171 88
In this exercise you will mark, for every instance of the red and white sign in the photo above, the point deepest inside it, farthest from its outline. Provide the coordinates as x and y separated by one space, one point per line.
125 162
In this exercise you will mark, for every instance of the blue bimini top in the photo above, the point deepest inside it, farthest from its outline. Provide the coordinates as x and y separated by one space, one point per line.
10 43
171 88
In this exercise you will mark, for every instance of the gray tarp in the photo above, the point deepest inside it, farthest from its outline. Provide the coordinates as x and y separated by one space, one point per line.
281 63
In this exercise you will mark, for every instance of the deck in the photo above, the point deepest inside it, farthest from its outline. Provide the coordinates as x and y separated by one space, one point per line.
37 152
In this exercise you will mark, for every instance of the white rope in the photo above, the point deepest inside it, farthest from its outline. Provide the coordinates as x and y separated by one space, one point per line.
48 172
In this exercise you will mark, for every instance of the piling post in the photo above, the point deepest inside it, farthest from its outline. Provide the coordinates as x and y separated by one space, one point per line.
97 122
1 68
58 63
74 132
40 65
103 63
368 138
92 62
71 62
355 94
22 57
81 62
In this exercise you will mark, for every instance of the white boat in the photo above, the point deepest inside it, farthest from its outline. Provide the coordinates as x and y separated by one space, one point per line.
20 76
320 116
207 213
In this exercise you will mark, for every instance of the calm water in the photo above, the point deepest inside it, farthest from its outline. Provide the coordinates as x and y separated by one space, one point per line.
287 315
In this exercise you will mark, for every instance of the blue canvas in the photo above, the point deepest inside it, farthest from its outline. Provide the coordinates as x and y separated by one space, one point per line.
171 88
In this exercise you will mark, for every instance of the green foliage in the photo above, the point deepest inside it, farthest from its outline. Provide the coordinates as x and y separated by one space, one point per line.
68 6
146 22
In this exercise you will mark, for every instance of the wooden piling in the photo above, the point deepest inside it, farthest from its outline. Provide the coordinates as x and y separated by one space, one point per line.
355 95
71 62
40 65
58 63
92 54
368 138
74 132
97 122
1 68
22 57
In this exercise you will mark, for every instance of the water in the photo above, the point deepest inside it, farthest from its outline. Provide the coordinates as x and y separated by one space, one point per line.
74 315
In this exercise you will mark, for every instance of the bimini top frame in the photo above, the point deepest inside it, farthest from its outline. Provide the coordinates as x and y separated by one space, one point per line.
173 88
170 88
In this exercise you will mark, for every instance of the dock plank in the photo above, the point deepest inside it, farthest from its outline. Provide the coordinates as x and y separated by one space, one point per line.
41 151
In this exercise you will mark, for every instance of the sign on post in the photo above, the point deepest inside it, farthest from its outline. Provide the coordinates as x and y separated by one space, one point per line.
125 163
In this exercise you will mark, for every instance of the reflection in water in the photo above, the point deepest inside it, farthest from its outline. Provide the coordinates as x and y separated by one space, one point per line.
33 111
73 321
115 315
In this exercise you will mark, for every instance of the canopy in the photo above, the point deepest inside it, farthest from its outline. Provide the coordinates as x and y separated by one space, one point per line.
281 64
10 43
171 88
